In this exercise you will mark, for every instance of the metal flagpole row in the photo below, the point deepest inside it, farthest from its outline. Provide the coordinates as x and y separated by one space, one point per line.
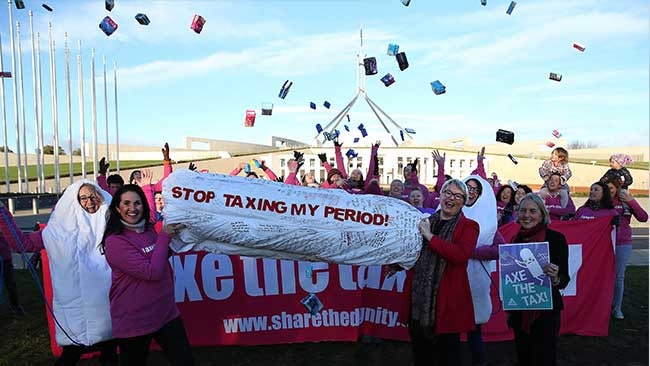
20 104
4 122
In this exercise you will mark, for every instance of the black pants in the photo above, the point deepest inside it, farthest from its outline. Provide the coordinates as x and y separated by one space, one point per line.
72 353
437 350
10 282
476 346
539 348
171 338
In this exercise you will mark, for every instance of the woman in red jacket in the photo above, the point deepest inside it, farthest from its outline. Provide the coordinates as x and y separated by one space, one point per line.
441 301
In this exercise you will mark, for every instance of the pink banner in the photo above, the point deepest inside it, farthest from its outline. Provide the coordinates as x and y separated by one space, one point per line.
232 300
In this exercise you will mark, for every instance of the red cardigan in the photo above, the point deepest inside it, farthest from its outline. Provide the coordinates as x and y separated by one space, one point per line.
455 309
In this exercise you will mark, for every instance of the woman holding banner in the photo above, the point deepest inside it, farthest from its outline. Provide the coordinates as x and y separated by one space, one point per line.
441 301
142 303
81 277
537 331
623 236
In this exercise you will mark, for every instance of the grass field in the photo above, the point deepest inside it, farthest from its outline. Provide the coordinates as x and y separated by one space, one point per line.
25 341
64 168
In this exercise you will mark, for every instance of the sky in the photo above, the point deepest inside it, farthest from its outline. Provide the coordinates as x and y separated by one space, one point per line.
174 83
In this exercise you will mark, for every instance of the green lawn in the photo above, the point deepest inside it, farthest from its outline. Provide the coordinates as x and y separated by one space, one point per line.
64 168
25 341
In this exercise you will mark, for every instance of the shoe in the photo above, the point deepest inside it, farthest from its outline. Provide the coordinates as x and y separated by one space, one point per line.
617 314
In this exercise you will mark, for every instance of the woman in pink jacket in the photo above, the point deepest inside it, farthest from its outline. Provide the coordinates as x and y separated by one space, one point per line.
141 297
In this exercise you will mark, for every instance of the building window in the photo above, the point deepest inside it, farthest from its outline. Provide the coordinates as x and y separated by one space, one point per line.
460 163
451 162
312 163
282 163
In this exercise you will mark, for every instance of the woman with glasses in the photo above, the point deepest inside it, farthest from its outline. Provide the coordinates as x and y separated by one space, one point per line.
537 331
441 301
81 277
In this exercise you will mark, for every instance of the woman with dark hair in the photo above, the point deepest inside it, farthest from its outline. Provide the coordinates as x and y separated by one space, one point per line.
411 180
521 191
537 331
553 200
621 197
598 204
441 301
142 302
505 204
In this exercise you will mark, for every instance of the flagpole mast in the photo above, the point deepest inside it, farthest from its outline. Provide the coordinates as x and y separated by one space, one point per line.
4 124
22 106
82 125
39 165
68 105
117 130
55 117
15 95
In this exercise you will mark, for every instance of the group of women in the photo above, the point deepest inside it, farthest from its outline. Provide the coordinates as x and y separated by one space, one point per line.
113 286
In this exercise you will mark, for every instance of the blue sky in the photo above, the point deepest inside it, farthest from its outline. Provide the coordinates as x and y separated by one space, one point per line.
174 83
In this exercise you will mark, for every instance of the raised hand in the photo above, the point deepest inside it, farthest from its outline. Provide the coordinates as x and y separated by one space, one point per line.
103 166
147 176
191 167
440 159
263 165
323 158
481 154
165 152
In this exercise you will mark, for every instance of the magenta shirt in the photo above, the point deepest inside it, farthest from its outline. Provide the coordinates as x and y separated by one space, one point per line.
624 232
142 288
586 213
554 207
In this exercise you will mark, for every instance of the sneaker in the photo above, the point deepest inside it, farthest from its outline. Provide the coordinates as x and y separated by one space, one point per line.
617 314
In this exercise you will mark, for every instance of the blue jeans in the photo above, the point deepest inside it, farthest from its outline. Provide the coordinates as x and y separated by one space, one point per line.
623 253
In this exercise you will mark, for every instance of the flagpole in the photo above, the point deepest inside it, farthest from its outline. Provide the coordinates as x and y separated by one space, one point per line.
106 108
82 125
39 165
41 134
93 110
15 94
68 105
55 117
23 123
4 124
117 130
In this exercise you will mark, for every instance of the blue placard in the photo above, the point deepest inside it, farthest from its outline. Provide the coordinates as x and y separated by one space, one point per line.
523 283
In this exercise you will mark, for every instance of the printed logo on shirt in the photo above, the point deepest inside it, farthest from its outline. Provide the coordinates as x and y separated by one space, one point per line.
148 249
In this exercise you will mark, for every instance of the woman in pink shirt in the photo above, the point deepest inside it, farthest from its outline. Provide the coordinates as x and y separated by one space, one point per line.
598 204
621 197
142 288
